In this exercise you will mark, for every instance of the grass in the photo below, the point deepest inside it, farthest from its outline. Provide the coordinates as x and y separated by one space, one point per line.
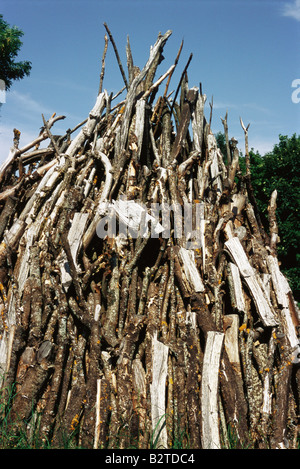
25 435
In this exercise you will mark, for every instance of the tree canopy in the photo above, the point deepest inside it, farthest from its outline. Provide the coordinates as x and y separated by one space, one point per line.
10 45
279 169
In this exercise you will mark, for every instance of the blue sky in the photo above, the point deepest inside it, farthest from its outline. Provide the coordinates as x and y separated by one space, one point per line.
245 53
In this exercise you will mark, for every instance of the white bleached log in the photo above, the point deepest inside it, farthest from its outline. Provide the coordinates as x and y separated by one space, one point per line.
240 258
135 218
158 393
282 290
279 281
97 412
261 300
209 390
140 124
213 152
253 281
237 287
187 257
39 192
89 127
75 238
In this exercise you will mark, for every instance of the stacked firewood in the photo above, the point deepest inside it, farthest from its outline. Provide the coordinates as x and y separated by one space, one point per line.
143 340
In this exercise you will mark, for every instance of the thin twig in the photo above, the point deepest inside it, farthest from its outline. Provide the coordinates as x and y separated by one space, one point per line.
117 55
247 156
225 125
50 136
103 64
181 78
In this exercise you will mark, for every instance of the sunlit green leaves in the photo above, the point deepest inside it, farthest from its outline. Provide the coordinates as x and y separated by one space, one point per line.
280 170
10 45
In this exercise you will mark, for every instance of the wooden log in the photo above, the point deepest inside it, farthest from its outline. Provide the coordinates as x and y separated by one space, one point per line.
135 218
252 279
238 295
102 204
213 156
75 240
97 413
89 127
131 95
140 124
187 257
198 121
158 393
231 341
184 122
290 319
209 390
272 221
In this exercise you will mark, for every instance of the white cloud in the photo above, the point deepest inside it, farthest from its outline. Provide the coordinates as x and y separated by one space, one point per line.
224 105
25 103
262 146
292 10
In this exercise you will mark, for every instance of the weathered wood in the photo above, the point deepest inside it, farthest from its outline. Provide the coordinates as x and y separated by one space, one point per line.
272 221
231 340
238 295
97 411
102 203
290 319
89 127
209 391
189 266
158 393
252 279
75 240
213 156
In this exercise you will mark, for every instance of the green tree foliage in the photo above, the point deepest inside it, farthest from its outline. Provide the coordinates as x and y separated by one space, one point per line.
221 142
10 45
280 170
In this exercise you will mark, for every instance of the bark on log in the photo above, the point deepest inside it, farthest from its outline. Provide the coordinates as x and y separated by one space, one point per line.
209 394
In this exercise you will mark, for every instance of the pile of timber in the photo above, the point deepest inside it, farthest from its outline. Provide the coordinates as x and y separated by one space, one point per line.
143 341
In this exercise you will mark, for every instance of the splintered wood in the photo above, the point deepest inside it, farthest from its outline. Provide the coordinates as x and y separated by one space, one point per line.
209 396
142 303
